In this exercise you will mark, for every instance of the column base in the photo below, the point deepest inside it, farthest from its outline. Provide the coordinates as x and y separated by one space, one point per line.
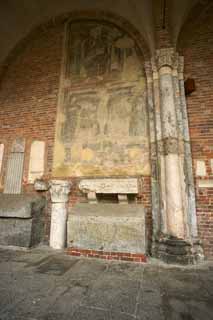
178 251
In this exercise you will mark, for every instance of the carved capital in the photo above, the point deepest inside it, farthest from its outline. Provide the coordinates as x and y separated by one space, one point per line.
166 58
59 190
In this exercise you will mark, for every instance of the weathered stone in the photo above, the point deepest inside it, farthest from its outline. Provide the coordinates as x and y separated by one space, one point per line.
122 198
200 168
21 220
178 251
205 183
59 196
36 166
59 190
91 196
173 194
41 185
125 186
107 227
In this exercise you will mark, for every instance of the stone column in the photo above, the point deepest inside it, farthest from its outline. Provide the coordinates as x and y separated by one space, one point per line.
156 218
59 190
174 201
190 189
173 197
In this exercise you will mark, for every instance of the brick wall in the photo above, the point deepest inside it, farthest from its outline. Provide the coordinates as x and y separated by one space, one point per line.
28 101
28 97
197 47
28 93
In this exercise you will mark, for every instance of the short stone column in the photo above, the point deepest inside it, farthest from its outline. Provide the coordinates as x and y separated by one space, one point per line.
59 190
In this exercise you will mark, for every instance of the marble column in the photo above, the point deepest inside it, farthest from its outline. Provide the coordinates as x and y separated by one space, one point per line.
190 188
59 190
174 210
156 217
173 200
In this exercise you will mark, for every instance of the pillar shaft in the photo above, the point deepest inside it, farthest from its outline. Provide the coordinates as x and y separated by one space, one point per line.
174 201
59 191
58 225
190 189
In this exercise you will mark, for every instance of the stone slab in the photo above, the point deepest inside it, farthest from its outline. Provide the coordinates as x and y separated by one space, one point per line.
36 166
126 186
107 227
21 220
200 168
108 210
16 232
40 284
19 206
205 183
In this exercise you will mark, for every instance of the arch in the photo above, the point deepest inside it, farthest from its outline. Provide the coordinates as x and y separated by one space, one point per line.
116 19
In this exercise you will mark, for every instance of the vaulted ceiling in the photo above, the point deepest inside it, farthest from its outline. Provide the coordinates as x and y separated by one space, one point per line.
19 17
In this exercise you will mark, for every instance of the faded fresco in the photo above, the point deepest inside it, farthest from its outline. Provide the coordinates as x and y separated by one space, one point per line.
102 118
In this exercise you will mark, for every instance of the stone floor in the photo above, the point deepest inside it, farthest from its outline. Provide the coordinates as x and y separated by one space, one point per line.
48 285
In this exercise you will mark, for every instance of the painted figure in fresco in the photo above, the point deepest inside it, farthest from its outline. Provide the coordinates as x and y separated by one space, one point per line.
97 50
71 110
119 110
137 126
88 124
80 118
95 53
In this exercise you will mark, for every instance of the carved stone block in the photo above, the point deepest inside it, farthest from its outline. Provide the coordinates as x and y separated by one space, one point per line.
59 190
118 186
107 227
21 220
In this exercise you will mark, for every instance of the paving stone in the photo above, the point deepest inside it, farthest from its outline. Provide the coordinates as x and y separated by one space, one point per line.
90 314
49 285
113 294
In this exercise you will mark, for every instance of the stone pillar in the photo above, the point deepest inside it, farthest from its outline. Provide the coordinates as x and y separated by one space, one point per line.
174 208
156 217
59 190
190 189
174 229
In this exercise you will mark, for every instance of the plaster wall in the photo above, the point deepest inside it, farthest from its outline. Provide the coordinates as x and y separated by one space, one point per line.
102 125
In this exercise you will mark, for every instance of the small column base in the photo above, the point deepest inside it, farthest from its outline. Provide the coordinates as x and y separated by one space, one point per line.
178 251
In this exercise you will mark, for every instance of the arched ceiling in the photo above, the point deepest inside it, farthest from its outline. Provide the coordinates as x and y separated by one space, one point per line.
19 17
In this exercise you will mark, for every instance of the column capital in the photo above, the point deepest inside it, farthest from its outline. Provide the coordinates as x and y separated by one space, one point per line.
166 57
59 190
